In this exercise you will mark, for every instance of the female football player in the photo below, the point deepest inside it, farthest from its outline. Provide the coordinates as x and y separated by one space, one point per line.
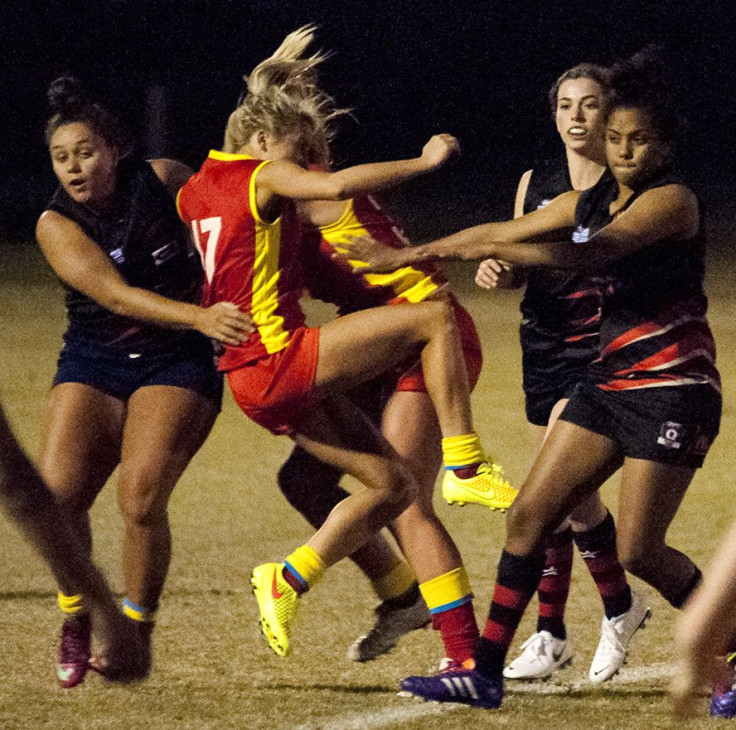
136 384
650 404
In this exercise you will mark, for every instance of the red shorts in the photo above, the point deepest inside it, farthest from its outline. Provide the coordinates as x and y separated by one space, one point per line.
274 390
413 378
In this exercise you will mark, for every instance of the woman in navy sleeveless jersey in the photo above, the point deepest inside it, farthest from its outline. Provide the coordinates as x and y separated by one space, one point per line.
651 402
136 385
559 339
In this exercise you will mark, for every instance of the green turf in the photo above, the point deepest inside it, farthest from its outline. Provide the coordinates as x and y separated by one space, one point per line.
212 667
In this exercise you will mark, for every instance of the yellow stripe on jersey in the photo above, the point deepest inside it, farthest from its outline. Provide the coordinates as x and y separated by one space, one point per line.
408 283
266 275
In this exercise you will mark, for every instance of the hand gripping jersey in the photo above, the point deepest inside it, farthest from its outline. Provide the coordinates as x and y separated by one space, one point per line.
146 242
349 290
249 261
654 331
561 310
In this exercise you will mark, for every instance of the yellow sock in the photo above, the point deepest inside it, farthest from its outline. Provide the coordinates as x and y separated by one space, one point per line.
138 613
306 565
459 451
447 590
395 583
70 604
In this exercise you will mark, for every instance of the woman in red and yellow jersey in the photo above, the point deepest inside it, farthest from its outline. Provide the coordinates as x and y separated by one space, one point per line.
287 377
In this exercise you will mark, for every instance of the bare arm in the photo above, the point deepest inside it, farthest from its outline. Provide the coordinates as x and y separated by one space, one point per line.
79 262
172 173
478 242
495 274
667 212
289 180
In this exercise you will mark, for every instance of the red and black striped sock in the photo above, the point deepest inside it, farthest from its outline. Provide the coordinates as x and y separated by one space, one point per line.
517 579
555 584
598 549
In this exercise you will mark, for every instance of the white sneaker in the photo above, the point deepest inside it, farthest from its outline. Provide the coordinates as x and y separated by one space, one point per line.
616 634
541 655
391 624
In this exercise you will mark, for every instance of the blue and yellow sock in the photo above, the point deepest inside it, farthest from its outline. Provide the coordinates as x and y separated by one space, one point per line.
450 602
303 568
141 614
462 453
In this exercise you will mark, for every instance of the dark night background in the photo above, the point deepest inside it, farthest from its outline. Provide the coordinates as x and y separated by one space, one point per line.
408 69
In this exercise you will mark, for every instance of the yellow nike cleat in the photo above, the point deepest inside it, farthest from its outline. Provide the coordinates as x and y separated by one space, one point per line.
277 603
487 487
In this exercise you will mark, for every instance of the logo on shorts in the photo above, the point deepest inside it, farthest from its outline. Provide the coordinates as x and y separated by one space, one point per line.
670 435
581 235
117 255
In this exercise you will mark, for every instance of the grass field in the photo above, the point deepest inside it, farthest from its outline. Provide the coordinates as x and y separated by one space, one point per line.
212 667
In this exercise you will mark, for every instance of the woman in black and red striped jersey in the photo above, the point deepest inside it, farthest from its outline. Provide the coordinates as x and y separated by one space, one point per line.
561 312
651 402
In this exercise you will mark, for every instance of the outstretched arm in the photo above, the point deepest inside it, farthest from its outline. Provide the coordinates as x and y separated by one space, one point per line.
292 181
667 212
80 262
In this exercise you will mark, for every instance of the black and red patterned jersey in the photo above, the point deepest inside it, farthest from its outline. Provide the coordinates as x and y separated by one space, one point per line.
654 332
150 248
560 309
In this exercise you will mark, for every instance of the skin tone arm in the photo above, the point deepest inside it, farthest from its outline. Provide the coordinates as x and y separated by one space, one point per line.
667 212
495 274
80 262
287 179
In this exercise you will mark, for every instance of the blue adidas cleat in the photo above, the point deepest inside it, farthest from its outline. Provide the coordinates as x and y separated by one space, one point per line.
464 686
723 699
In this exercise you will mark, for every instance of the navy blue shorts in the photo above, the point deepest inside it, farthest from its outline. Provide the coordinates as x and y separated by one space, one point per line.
189 364
669 425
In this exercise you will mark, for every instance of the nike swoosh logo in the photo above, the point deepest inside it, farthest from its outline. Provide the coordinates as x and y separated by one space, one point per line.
275 592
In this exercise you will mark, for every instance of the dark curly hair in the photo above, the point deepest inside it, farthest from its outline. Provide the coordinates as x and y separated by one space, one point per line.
644 82
68 102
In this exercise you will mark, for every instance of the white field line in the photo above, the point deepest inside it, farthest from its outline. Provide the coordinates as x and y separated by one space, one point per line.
410 709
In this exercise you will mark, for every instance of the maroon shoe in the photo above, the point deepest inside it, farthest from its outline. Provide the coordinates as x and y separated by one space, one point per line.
74 654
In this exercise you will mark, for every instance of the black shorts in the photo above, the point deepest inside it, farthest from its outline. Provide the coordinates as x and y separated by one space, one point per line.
189 364
670 425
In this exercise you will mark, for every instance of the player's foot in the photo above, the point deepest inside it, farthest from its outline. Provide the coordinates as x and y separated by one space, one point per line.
277 603
616 634
456 684
390 625
125 655
541 655
74 653
487 488
723 699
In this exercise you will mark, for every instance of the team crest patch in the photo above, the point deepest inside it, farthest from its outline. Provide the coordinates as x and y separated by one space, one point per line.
670 435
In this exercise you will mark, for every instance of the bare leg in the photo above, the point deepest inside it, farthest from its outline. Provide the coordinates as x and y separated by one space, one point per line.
30 504
339 434
165 427
706 627
389 335
572 464
651 493
423 538
80 451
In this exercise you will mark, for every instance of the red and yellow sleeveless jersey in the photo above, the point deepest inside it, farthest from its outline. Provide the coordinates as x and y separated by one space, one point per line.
248 261
350 291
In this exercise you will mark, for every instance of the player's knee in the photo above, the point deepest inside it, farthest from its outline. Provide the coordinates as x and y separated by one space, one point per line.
525 524
142 503
636 556
401 489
